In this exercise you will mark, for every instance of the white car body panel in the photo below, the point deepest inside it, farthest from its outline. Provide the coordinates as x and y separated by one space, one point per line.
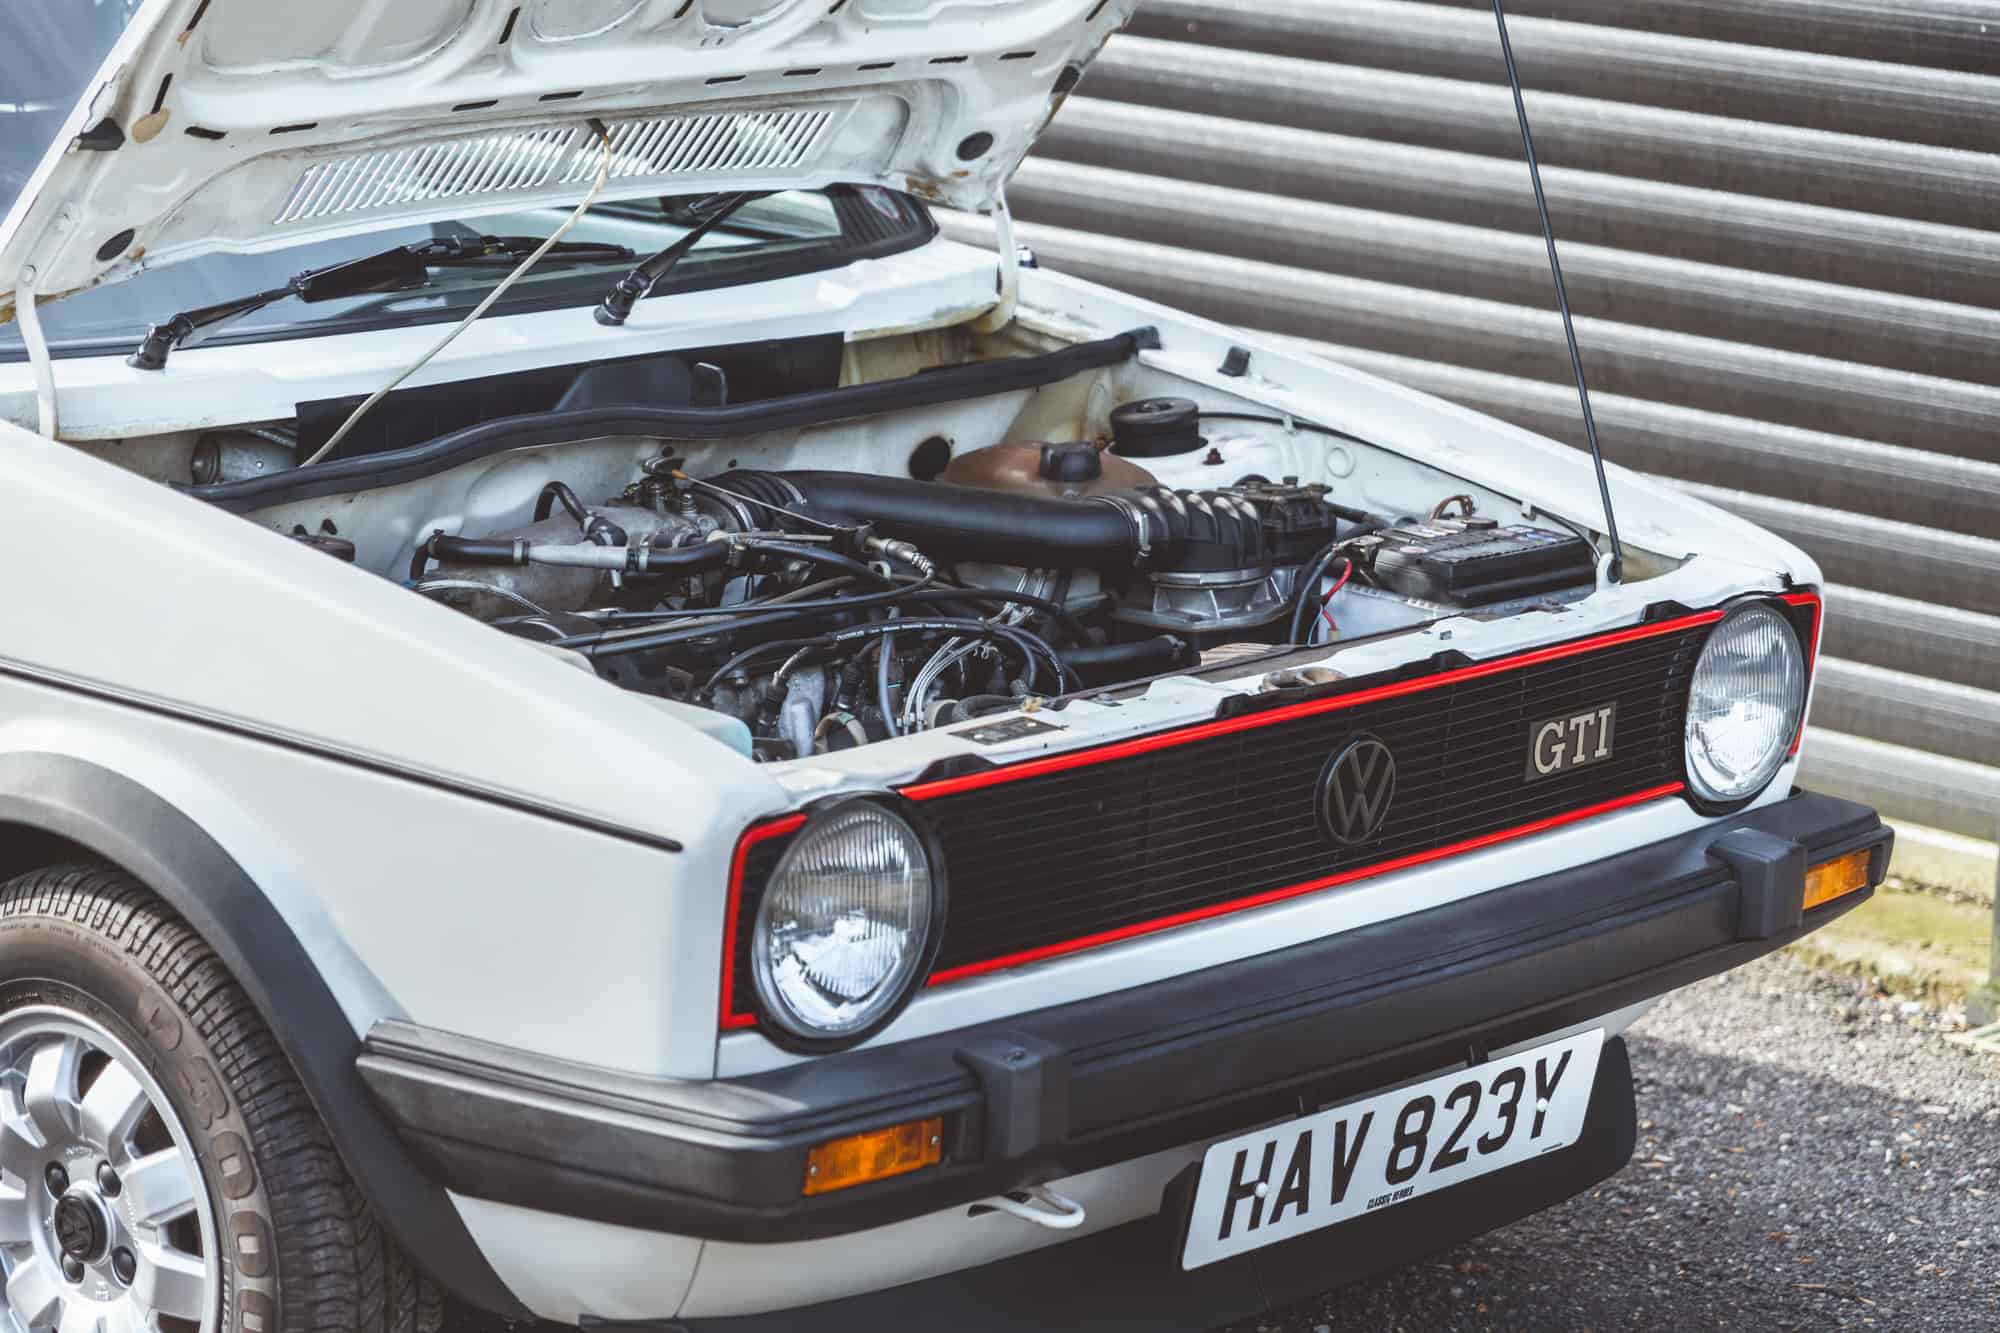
248 126
1426 429
553 920
564 1267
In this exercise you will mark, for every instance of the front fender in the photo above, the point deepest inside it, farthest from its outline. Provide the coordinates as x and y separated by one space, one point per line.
118 820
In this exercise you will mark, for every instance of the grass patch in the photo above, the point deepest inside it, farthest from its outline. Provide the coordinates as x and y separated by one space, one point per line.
1916 943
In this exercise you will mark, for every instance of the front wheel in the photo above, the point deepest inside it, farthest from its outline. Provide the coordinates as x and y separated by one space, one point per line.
161 1168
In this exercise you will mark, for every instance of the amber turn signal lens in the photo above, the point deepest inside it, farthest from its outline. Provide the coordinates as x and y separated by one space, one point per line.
1833 879
876 1155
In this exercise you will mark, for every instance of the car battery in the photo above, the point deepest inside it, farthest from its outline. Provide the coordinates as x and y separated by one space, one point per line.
1469 562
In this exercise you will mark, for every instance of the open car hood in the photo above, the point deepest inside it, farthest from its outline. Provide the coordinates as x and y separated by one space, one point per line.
245 125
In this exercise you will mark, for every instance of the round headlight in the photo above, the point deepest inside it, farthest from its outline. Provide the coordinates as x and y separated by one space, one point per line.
845 929
1744 706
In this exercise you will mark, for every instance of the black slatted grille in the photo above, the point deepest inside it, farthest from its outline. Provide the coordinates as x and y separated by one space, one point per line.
1196 826
1111 846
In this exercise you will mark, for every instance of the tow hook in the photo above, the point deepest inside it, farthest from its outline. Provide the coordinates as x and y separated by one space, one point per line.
1036 1203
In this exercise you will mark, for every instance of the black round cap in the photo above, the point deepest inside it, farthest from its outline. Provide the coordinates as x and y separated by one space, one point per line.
80 1229
1071 462
1155 428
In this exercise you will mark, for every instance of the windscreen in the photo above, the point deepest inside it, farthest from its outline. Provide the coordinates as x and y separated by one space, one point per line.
52 48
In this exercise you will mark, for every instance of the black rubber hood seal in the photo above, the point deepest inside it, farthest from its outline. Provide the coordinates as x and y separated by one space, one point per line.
951 384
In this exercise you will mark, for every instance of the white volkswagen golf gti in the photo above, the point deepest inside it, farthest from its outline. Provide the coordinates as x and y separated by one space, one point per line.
598 724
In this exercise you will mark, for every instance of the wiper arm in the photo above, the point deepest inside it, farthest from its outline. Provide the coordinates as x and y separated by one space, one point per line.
713 210
402 268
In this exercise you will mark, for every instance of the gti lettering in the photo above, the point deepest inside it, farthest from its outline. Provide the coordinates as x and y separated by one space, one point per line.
1550 748
1582 739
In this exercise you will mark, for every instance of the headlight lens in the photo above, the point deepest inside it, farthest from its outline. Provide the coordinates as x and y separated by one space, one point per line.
845 923
1744 706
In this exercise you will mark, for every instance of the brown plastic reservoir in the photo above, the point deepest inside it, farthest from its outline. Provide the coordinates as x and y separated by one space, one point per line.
1037 468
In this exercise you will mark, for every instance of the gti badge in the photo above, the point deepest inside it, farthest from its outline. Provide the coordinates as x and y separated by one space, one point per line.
1563 743
1355 790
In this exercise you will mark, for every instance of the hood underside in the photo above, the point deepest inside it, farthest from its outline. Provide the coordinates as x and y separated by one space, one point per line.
243 125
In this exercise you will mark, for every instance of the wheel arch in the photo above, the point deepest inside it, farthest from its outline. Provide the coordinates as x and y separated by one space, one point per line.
54 807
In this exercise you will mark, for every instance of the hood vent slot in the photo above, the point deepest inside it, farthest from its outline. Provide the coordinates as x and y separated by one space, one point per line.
521 161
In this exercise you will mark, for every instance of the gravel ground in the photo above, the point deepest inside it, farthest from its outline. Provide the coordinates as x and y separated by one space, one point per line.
1812 1155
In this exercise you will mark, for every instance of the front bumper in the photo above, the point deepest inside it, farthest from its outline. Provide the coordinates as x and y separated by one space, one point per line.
1069 1089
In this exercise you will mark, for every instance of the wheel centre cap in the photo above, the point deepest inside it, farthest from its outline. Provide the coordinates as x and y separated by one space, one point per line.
82 1229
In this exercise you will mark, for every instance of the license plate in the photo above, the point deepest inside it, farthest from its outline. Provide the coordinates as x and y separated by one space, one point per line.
1285 1180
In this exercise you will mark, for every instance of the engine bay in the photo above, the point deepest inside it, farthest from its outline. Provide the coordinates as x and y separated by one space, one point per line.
949 533
811 611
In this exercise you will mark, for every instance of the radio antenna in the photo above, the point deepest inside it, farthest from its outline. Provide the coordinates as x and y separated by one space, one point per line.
1617 572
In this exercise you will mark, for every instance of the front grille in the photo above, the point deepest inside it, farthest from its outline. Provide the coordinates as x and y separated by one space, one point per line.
1086 848
1099 849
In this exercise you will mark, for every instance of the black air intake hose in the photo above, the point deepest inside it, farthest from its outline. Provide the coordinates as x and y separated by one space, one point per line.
1110 663
955 522
1152 526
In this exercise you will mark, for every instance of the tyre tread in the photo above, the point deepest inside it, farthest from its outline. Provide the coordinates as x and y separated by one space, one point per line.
338 1271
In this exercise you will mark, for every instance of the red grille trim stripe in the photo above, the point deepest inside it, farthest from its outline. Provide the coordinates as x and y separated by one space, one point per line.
1808 598
926 791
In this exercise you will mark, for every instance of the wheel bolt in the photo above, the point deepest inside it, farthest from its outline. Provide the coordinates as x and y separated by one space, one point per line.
107 1180
123 1266
72 1268
56 1178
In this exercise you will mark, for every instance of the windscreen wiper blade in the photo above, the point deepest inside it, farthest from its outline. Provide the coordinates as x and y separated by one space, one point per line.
403 268
712 211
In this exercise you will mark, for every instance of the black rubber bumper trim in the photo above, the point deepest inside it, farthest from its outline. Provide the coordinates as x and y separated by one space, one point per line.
948 385
1114 1077
1129 1280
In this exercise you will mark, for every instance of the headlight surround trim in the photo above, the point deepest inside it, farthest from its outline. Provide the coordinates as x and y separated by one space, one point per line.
777 1021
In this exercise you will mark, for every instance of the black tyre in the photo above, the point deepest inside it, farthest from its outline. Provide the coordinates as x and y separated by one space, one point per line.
177 1178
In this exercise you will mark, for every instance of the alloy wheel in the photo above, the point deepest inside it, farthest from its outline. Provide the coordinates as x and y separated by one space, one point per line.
105 1226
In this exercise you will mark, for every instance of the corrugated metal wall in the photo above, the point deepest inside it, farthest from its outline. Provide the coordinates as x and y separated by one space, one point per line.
1781 227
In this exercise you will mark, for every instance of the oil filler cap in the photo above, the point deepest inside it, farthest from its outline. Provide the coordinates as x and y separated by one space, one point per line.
1071 462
